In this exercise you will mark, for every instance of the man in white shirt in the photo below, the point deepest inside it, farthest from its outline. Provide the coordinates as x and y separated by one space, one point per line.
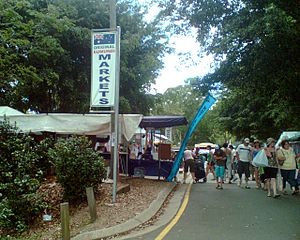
189 163
244 157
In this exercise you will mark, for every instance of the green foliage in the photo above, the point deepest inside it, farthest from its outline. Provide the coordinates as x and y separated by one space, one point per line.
44 162
19 202
184 100
257 52
48 43
77 166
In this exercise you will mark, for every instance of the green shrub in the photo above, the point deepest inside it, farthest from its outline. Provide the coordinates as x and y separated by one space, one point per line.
77 166
43 161
19 179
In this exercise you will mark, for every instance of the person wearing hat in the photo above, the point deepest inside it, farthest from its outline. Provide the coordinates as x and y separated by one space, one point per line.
244 157
272 169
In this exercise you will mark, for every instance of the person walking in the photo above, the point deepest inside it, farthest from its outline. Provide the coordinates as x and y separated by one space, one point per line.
189 164
220 157
287 155
244 157
272 169
228 163
251 167
210 166
256 149
233 163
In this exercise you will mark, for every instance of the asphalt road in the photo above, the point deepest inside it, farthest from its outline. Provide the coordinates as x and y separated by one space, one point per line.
235 214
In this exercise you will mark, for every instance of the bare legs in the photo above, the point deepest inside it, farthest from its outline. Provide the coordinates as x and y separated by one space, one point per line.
257 180
271 185
185 175
211 168
219 182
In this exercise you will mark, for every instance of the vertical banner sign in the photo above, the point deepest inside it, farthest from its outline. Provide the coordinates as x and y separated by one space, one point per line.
168 133
207 103
103 68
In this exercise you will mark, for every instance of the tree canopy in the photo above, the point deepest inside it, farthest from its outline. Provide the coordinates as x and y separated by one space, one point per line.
45 54
184 100
257 60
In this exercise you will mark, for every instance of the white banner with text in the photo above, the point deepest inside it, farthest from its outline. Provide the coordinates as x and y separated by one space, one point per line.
104 52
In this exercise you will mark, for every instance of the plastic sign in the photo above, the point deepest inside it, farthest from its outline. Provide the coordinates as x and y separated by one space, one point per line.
104 52
206 104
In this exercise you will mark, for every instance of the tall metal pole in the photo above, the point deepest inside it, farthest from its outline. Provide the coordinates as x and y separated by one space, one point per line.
112 14
117 92
115 115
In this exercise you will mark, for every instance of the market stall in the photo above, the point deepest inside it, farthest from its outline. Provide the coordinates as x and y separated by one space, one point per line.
156 159
8 111
78 124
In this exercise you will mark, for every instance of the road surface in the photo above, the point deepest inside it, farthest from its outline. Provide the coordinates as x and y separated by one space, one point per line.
235 214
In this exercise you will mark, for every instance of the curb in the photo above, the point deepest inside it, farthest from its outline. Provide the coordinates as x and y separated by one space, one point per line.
170 212
143 217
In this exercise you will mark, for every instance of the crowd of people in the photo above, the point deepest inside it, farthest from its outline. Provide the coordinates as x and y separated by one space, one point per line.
226 163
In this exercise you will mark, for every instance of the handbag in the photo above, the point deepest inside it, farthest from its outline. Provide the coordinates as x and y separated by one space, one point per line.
260 160
281 161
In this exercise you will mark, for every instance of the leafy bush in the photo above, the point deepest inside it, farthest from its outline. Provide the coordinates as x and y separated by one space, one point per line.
43 162
19 179
77 166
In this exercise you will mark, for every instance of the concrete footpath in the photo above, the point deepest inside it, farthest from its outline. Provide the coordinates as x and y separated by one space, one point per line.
143 217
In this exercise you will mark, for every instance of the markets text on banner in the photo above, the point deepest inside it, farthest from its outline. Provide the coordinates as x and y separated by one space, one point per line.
104 54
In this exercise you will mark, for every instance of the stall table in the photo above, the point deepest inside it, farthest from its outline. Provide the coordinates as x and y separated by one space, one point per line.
158 168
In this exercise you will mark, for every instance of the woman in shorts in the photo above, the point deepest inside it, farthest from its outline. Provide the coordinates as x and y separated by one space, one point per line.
272 169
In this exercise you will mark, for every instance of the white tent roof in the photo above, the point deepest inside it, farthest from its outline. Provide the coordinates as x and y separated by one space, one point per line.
160 136
140 131
5 110
205 144
287 136
63 123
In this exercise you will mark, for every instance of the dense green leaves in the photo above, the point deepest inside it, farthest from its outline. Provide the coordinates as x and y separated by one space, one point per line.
45 54
23 161
183 100
19 179
257 56
77 165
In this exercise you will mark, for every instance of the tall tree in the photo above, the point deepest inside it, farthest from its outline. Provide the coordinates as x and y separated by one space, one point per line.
183 100
257 60
45 54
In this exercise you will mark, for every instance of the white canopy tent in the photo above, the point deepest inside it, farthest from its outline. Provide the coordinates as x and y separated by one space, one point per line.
81 124
288 135
158 138
5 110
204 145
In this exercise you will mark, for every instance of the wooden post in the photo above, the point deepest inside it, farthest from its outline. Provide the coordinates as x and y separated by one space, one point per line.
65 220
91 203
